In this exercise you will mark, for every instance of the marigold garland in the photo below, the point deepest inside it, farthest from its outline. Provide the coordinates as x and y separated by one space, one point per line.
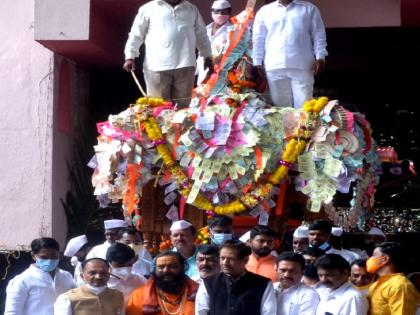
293 149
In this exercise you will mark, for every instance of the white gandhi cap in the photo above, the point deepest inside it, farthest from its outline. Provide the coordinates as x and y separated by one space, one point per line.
221 5
180 225
337 231
376 231
114 224
246 237
301 232
74 245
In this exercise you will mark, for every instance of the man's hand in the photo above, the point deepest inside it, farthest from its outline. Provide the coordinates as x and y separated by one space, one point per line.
208 64
319 66
129 65
261 78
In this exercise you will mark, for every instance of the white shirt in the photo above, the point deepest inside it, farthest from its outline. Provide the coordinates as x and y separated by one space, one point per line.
291 36
78 281
219 43
296 300
345 300
63 305
268 301
143 265
171 35
34 291
125 286
99 251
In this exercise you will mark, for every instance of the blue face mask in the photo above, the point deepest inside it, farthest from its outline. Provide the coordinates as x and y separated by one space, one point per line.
46 265
219 238
324 246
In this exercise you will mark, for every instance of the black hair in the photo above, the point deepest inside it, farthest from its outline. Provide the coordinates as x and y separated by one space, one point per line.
219 220
311 272
242 249
394 251
131 230
320 225
84 263
177 255
359 262
291 256
262 230
332 262
119 253
44 242
314 251
208 249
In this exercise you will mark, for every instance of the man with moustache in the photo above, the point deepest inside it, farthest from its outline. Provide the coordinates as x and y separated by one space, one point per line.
293 296
261 261
207 260
360 277
167 291
94 297
235 291
337 295
183 238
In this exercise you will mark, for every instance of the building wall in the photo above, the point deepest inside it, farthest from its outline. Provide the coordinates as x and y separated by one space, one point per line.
28 208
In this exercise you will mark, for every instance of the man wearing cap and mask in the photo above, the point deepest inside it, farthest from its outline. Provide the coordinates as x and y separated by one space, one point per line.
131 237
300 241
167 291
121 258
171 30
183 238
220 229
392 293
94 297
77 248
112 227
218 33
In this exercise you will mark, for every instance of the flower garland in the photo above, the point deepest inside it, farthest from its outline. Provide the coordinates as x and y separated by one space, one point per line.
293 149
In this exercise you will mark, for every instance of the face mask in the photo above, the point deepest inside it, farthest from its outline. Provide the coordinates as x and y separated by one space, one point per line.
324 246
46 265
96 290
220 19
74 261
136 247
373 264
123 272
219 238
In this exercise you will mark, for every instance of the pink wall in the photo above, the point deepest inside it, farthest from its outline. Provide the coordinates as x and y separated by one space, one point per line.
28 208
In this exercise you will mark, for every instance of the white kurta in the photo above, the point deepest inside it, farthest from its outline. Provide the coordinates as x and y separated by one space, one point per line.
99 251
125 286
345 300
34 291
144 263
296 300
268 301
219 43
346 254
78 281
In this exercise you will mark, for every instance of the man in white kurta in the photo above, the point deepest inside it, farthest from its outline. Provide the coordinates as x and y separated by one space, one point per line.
289 43
337 295
112 228
76 249
293 296
34 291
218 32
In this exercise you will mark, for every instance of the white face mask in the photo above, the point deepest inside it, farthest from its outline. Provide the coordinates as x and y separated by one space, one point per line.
96 290
220 19
123 272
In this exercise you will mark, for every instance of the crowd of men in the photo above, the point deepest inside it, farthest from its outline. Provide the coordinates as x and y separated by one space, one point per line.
227 276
